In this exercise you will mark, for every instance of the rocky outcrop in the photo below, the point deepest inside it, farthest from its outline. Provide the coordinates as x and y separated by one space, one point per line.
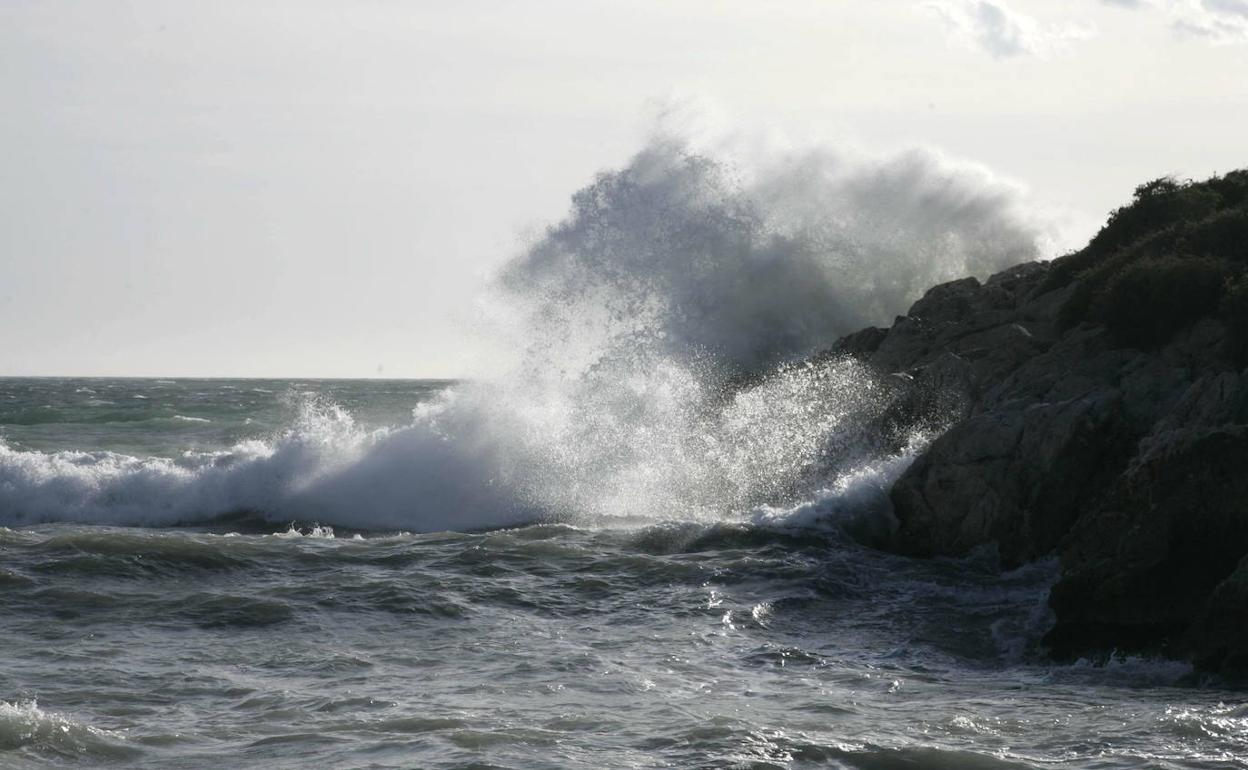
1130 464
1144 565
1015 476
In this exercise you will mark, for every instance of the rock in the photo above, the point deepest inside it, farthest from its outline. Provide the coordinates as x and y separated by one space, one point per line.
1218 638
1013 477
1138 570
979 323
1057 437
862 343
947 303
1215 398
1126 462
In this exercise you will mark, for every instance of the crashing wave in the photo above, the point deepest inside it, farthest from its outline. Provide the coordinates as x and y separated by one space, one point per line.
640 360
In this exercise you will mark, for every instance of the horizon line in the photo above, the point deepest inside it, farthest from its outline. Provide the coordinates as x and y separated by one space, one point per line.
215 377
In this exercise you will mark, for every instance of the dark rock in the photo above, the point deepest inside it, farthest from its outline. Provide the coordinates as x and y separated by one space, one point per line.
968 319
1126 462
1058 436
947 303
860 344
1138 570
1218 638
1013 477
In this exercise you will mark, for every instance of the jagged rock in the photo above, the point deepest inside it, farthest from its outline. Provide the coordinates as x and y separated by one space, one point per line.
1132 463
1215 398
979 323
1138 571
1013 477
1127 462
862 343
948 302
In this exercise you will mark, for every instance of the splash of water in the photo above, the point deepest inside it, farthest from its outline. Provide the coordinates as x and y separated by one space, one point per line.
676 256
617 347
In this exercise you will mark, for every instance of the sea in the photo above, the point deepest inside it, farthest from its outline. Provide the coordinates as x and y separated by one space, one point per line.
201 573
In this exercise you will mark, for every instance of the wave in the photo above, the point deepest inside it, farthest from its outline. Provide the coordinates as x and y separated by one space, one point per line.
51 415
283 478
25 726
643 360
930 757
472 460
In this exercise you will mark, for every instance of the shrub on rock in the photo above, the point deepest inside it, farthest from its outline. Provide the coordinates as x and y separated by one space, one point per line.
1149 301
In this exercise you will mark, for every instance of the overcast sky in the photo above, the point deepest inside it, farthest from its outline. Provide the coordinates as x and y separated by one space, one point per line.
306 187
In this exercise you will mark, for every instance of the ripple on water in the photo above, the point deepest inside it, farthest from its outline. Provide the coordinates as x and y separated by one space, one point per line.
223 610
912 758
550 648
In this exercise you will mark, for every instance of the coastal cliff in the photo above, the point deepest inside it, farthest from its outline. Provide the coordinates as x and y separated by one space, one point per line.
1099 410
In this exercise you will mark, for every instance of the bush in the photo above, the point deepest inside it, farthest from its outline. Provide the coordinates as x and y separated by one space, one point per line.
1232 188
1130 279
1157 206
1080 305
1223 235
1148 301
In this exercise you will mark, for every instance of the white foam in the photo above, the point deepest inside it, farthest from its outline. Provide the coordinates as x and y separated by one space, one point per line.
26 725
315 532
855 501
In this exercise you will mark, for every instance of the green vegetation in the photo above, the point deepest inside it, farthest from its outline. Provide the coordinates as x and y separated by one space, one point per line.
1177 253
1147 301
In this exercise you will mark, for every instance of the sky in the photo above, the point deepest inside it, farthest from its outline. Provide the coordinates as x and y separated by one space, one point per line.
301 188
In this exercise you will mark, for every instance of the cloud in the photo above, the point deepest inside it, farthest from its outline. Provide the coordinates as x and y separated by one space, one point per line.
1216 21
1002 32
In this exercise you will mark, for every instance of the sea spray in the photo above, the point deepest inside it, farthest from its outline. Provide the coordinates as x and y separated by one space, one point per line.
644 359
677 255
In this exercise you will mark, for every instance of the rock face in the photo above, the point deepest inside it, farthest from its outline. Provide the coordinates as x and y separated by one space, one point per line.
1130 464
1143 566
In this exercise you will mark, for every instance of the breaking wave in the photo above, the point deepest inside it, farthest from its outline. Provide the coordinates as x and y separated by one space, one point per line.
646 358
26 726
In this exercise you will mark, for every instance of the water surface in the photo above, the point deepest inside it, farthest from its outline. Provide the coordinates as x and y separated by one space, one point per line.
247 641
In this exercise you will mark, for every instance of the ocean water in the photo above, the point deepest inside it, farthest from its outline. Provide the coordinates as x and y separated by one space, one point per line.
631 538
289 574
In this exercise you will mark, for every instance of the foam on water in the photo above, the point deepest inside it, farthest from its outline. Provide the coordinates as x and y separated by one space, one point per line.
613 355
25 725
856 500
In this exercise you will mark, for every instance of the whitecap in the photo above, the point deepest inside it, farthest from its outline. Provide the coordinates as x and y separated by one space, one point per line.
25 725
